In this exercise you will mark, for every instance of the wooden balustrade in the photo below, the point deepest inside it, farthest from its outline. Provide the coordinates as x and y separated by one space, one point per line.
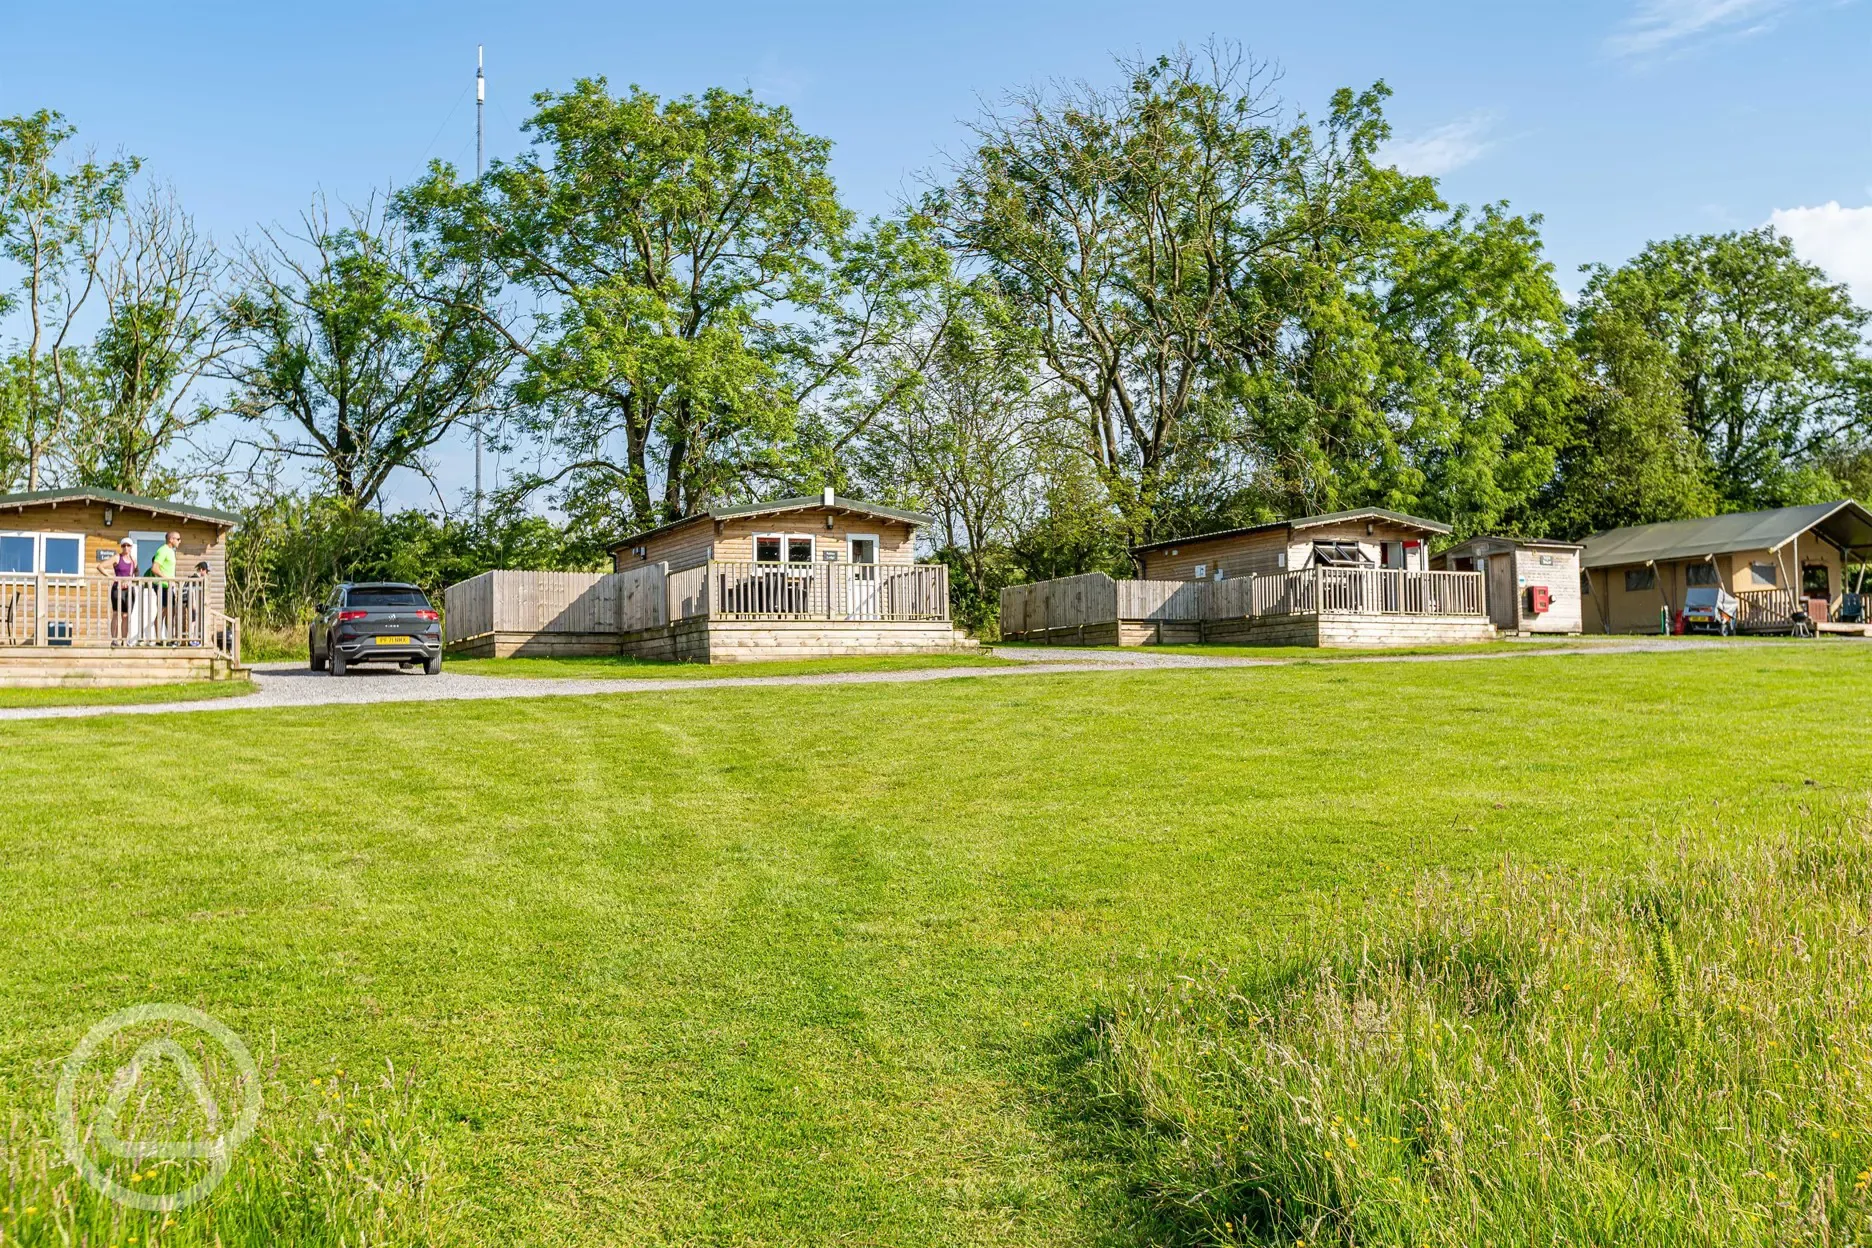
826 591
1764 610
45 610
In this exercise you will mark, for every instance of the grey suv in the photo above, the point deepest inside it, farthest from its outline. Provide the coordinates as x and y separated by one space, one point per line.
379 622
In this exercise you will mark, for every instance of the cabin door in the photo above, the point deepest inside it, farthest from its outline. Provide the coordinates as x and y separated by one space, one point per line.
1501 588
862 571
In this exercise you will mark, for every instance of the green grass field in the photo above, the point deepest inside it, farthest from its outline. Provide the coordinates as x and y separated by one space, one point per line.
191 691
622 668
793 964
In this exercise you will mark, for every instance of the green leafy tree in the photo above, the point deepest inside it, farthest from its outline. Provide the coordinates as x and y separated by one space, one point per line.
1124 222
358 351
56 223
164 333
1764 359
1625 453
700 285
1258 319
956 438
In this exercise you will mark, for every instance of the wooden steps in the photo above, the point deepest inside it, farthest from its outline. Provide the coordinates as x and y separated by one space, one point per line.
103 667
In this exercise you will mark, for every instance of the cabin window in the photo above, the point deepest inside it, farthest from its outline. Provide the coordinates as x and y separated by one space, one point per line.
1815 583
1341 555
1700 574
55 554
19 552
1202 570
63 554
863 549
1765 573
783 548
1637 579
1585 583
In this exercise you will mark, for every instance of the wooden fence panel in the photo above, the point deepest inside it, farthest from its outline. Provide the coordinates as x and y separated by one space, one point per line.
642 596
553 602
687 593
1159 600
468 607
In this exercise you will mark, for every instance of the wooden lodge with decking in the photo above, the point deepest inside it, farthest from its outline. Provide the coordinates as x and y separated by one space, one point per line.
1775 562
1349 578
815 576
66 619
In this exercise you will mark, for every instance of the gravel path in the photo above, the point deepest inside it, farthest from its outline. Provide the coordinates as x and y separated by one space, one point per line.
290 685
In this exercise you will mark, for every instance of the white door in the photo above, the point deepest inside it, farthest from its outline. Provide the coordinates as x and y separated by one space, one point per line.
863 573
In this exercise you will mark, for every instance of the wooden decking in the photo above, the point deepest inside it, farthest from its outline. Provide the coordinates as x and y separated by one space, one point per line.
1311 607
106 631
718 612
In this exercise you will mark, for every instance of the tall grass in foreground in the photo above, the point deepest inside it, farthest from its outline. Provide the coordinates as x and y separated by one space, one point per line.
1682 1056
339 1162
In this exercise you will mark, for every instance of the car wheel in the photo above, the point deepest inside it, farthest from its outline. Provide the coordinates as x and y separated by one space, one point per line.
337 662
433 667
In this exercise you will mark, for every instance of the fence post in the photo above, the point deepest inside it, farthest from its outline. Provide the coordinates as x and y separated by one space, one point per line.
39 610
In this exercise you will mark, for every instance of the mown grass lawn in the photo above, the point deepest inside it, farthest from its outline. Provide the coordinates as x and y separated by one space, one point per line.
191 691
604 667
793 965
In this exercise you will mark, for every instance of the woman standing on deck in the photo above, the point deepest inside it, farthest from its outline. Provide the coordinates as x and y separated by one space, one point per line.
122 597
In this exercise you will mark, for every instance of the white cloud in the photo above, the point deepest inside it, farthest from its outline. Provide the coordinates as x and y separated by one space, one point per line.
1439 151
1660 26
1837 239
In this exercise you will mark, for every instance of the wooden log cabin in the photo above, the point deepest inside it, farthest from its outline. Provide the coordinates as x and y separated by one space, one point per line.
1775 562
66 619
1350 578
1370 537
814 576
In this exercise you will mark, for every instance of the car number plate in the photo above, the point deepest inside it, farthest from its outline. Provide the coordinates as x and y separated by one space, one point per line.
393 641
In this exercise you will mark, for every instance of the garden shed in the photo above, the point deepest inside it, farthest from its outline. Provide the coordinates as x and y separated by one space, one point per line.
1529 586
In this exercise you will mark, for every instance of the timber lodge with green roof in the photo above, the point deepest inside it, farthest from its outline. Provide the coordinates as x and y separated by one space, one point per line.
812 576
67 618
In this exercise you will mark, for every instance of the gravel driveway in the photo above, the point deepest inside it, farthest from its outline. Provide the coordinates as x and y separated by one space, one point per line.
292 684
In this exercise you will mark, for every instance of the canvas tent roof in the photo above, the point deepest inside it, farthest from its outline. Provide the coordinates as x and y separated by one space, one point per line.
1845 522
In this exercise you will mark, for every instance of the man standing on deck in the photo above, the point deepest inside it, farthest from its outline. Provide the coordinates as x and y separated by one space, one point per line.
162 567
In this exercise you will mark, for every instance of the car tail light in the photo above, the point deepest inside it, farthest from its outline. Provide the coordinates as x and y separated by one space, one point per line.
427 615
346 616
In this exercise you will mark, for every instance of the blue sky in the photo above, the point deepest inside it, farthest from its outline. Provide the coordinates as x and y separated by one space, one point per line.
1619 121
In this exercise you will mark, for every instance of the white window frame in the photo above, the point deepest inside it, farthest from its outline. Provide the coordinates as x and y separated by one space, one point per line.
69 537
786 540
37 564
877 547
39 537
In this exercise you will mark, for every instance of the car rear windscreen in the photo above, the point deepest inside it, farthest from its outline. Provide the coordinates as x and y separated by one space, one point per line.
386 599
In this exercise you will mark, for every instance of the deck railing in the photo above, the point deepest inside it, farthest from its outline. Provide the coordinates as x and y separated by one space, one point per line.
1094 598
824 591
112 611
1356 591
1764 610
